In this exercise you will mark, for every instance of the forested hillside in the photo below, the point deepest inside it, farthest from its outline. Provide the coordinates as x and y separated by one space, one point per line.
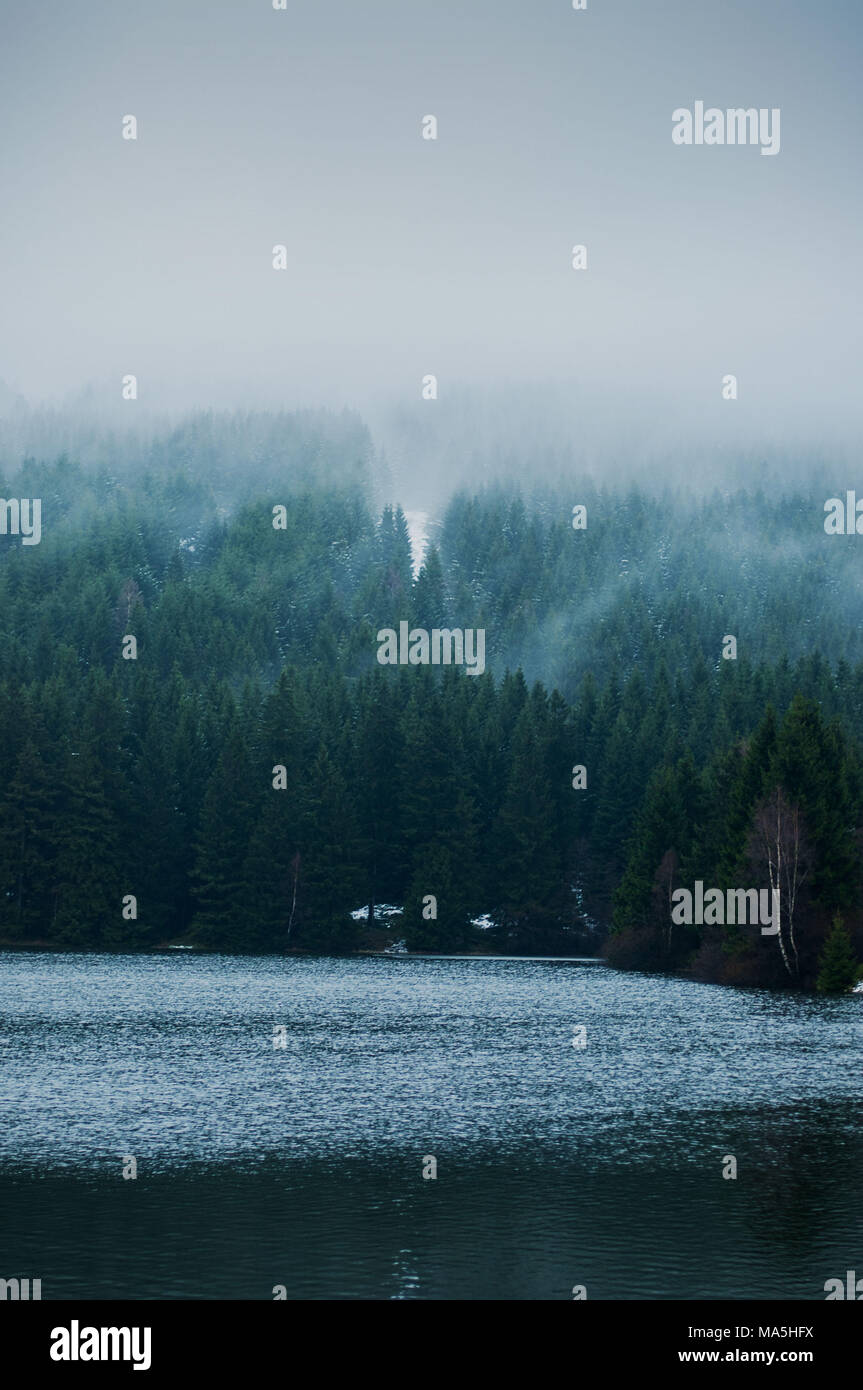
253 773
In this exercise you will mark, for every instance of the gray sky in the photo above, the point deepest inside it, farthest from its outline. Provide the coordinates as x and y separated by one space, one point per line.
408 256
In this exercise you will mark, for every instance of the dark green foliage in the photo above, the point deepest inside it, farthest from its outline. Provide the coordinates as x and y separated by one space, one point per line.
838 965
440 877
222 887
257 650
783 808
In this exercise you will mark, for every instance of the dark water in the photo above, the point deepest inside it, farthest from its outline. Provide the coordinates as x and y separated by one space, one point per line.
556 1166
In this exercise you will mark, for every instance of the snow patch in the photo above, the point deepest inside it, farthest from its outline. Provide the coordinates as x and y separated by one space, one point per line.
418 531
383 912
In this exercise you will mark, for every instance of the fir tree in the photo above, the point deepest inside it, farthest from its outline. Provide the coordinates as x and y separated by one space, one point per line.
837 965
222 889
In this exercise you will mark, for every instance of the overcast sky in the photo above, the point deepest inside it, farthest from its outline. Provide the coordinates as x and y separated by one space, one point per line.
408 256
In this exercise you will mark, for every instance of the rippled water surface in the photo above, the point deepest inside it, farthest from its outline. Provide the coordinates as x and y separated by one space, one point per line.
302 1166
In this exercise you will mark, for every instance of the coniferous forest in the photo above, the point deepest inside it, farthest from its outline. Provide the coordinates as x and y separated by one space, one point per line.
246 775
431 673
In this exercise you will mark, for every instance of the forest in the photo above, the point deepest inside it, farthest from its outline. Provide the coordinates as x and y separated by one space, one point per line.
249 776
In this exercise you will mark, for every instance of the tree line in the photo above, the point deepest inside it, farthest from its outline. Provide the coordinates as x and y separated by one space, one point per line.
153 778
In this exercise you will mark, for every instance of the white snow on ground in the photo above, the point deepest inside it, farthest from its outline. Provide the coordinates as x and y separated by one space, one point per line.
590 922
383 912
418 530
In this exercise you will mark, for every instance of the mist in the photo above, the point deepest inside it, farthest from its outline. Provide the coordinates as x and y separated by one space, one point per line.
408 257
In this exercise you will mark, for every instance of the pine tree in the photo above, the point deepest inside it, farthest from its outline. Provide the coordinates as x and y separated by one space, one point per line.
531 897
747 789
222 889
442 877
88 881
810 764
28 845
272 871
838 966
428 776
378 747
429 594
329 869
159 850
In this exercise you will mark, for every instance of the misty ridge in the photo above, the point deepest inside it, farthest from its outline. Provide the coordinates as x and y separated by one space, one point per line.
686 543
198 725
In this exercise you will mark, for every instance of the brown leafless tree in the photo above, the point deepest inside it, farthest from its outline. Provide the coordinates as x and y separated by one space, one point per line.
666 875
295 869
130 596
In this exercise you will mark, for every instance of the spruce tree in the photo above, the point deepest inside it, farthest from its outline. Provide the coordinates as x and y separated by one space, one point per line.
28 830
837 965
88 881
441 877
222 889
531 894
329 868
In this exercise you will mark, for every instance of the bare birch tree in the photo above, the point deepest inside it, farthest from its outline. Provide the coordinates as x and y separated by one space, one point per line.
779 844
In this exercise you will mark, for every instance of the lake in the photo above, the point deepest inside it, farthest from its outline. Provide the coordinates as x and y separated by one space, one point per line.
302 1165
